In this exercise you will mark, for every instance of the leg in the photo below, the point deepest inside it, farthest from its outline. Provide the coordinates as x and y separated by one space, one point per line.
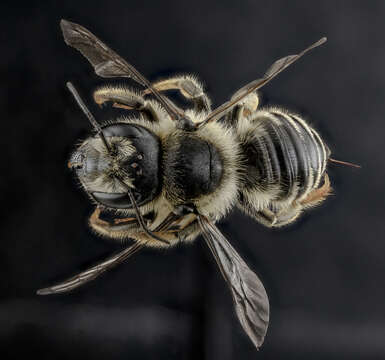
245 108
278 219
126 228
125 98
288 215
178 222
259 212
266 217
250 103
116 229
120 228
189 232
271 215
189 87
318 195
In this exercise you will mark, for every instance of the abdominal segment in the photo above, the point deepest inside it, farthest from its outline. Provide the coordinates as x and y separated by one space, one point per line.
286 156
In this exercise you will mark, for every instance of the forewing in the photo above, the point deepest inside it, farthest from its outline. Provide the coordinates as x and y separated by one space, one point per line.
250 299
272 72
92 273
106 62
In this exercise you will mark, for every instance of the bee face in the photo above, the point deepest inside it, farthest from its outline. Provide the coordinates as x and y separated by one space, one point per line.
133 159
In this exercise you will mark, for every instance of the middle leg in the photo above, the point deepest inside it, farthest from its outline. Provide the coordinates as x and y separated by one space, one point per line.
245 108
189 87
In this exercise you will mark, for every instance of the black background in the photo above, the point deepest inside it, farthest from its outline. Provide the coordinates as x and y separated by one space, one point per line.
324 274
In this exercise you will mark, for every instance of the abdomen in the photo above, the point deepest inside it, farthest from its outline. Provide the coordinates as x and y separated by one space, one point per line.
285 158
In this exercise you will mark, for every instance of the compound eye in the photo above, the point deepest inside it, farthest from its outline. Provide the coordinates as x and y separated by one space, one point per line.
116 200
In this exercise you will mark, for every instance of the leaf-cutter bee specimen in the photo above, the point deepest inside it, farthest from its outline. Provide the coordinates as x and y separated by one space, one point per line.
167 174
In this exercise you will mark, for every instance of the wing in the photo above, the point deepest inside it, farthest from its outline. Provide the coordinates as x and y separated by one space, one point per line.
92 273
107 63
249 296
272 72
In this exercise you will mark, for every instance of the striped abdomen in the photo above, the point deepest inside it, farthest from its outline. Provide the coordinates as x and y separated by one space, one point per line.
285 157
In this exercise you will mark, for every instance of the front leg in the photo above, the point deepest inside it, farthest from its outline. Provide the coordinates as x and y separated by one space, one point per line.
174 227
127 99
119 228
127 228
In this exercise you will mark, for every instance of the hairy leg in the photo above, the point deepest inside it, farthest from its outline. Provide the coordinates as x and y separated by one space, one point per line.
245 108
125 98
173 228
318 195
189 87
117 228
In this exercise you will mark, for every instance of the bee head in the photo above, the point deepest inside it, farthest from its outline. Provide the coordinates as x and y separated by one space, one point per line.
132 156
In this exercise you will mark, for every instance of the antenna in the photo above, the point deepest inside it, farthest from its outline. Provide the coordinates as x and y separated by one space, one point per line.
90 117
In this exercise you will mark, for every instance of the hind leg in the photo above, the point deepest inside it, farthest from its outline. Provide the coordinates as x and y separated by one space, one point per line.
271 215
316 196
288 215
277 219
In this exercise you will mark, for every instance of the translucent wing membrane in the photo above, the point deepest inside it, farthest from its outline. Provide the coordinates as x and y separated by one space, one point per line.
250 299
107 63
272 72
92 273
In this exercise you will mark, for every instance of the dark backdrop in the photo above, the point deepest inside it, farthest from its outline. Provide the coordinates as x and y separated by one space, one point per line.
324 274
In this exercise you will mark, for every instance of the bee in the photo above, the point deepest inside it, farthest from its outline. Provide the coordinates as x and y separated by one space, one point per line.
168 174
